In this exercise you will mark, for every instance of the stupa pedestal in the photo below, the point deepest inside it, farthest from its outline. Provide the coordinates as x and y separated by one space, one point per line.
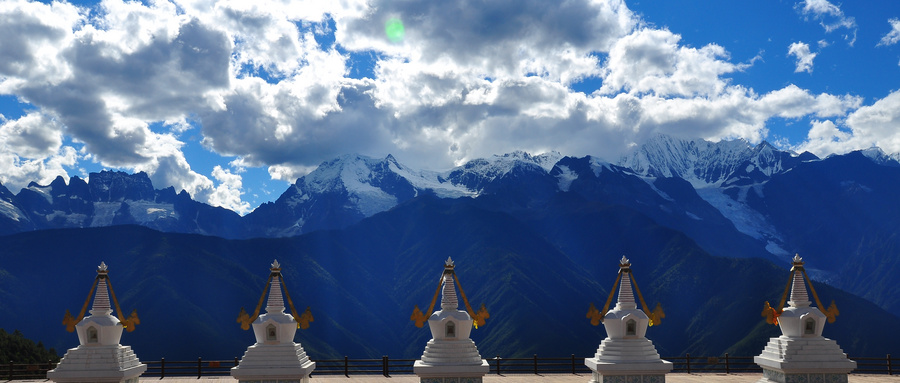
801 353
275 358
99 357
450 356
626 355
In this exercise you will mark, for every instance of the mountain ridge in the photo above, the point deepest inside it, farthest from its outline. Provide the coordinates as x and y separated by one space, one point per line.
735 207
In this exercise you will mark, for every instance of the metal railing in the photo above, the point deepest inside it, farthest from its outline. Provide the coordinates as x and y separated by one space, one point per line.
27 370
725 364
386 366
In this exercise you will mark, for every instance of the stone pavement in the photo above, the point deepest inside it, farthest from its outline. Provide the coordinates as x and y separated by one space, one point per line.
519 378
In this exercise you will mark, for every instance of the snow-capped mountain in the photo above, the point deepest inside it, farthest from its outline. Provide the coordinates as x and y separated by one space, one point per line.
704 163
722 173
880 157
111 198
347 189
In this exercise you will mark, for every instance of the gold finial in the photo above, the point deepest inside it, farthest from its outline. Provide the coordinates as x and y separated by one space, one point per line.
796 263
624 263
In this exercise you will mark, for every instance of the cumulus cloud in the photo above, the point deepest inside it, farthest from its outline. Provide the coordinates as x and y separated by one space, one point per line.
31 150
893 36
228 193
830 16
651 60
800 50
867 126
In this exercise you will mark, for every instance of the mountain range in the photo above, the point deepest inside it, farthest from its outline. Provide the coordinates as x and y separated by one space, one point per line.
537 237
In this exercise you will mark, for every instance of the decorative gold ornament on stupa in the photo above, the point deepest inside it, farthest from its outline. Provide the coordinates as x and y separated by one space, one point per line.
772 313
596 316
275 272
128 323
478 316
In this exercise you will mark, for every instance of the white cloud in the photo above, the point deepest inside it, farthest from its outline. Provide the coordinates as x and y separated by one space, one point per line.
830 16
289 173
800 50
228 193
872 125
33 135
650 60
31 149
893 36
794 102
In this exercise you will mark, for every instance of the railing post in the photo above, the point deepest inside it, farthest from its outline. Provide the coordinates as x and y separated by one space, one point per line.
535 364
199 367
497 359
384 365
346 366
727 367
9 372
235 361
688 359
162 368
890 367
573 364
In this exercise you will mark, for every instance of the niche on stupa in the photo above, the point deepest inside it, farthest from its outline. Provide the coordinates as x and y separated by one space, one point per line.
271 333
809 326
450 330
631 327
92 336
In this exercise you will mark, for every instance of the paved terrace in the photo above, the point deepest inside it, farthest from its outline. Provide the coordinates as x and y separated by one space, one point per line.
518 378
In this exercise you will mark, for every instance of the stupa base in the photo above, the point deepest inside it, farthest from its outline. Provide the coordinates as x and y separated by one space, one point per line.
811 359
775 376
598 378
95 364
472 373
628 372
285 363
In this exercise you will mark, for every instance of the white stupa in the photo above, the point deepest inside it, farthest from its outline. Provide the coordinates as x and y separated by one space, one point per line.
99 357
801 353
275 358
450 356
626 355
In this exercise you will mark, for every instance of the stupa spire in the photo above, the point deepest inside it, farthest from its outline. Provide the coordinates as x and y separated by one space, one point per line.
626 293
799 295
101 305
449 300
275 303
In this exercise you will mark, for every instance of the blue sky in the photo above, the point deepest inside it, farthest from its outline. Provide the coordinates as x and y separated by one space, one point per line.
233 100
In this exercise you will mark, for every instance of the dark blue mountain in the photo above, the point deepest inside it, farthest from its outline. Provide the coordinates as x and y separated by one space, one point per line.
362 282
731 198
112 198
844 210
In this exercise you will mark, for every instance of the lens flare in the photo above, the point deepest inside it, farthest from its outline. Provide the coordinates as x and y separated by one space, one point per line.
393 28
